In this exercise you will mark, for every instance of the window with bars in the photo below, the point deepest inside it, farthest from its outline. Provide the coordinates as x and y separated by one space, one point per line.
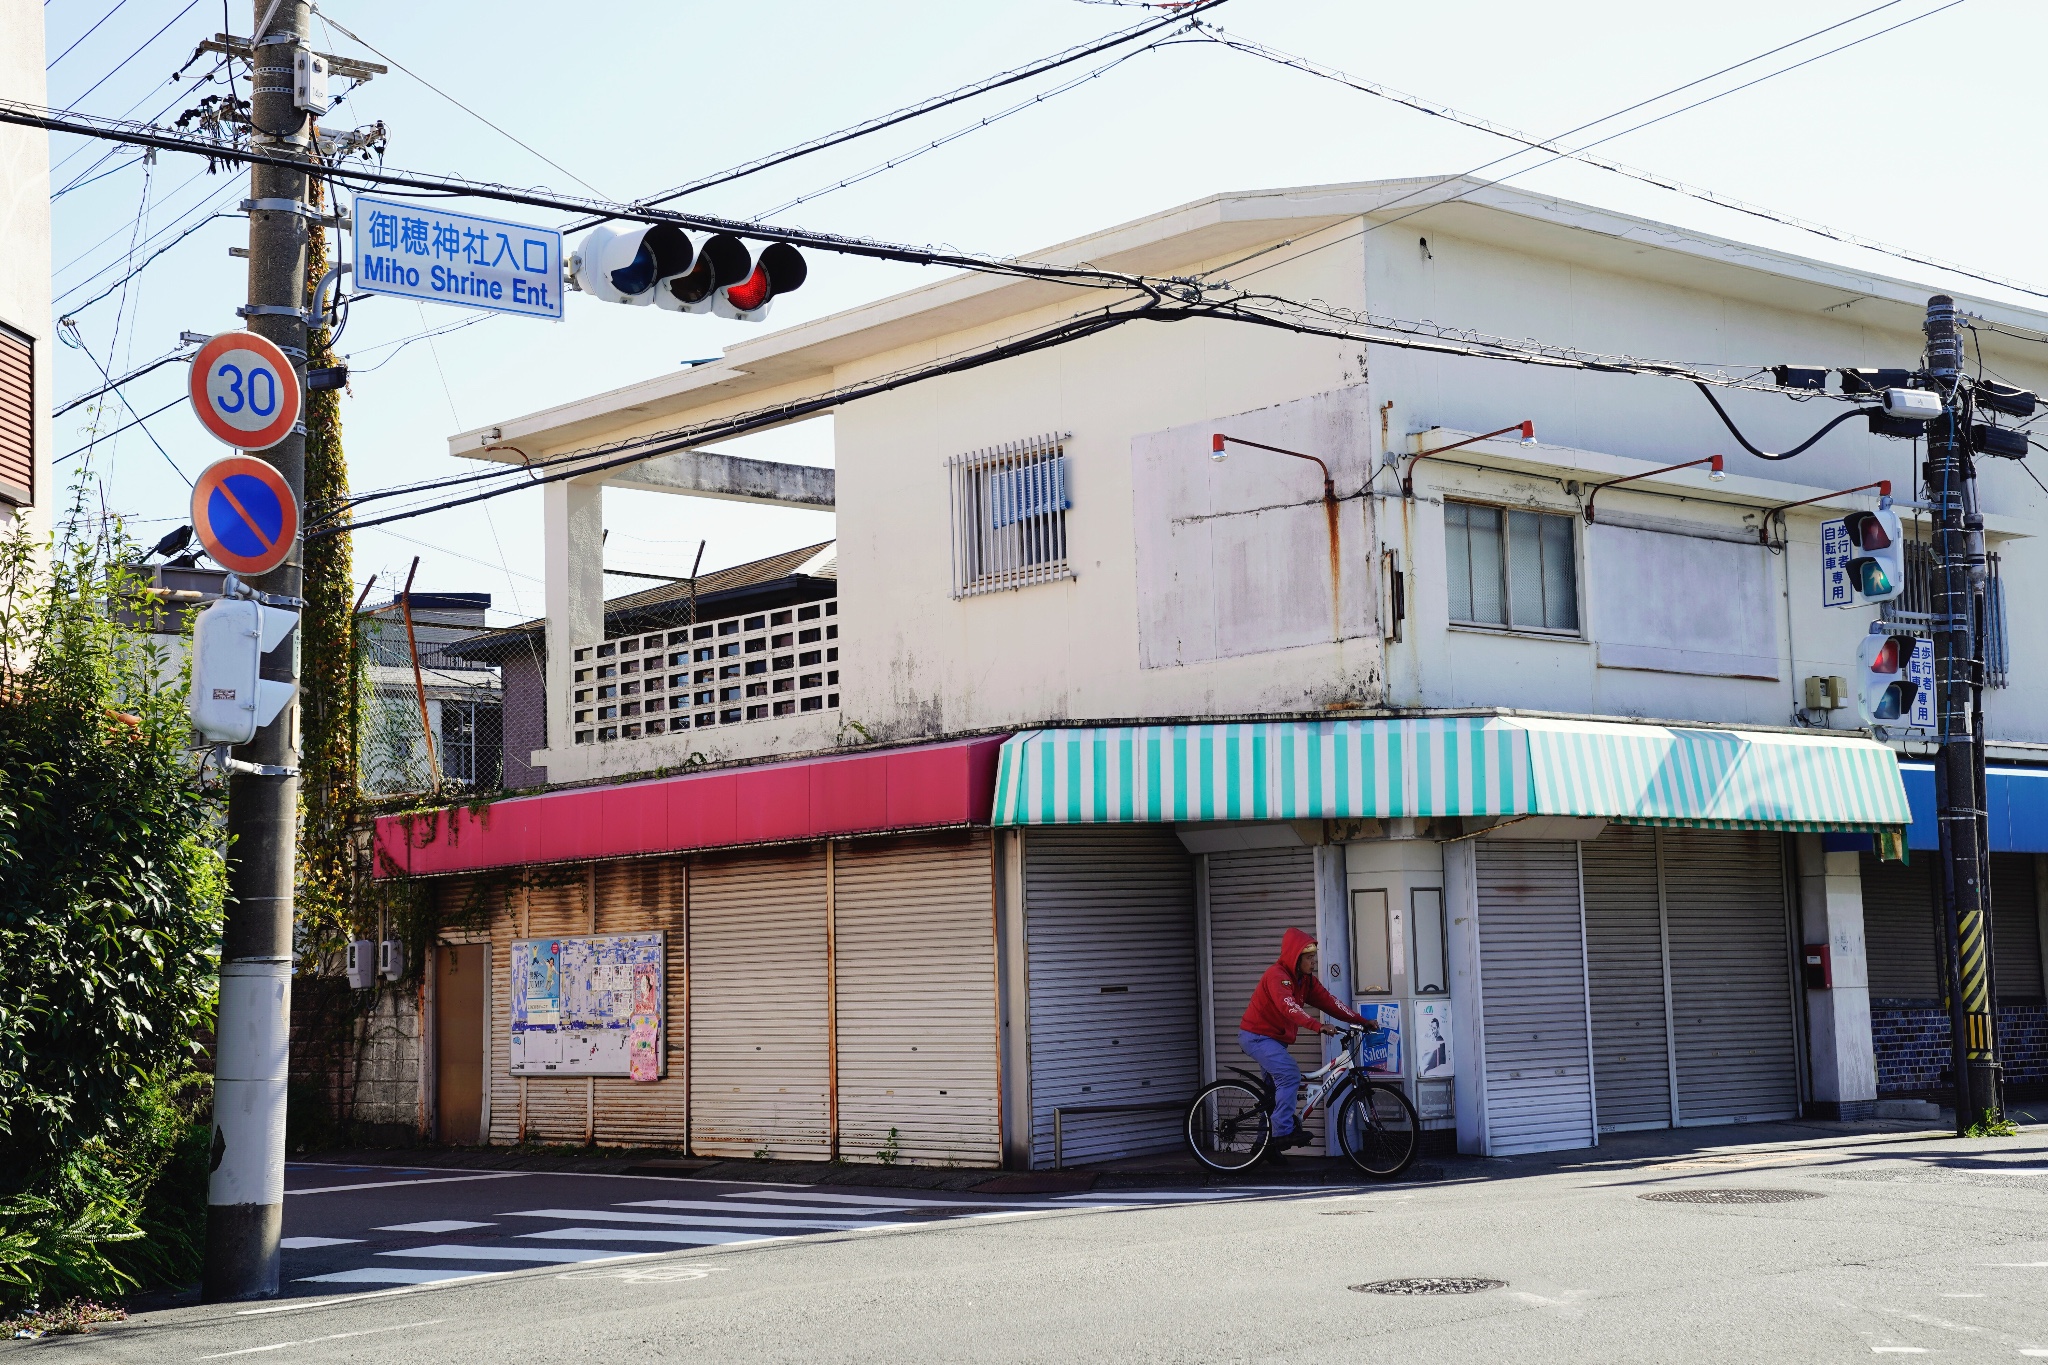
1510 567
1009 507
1915 607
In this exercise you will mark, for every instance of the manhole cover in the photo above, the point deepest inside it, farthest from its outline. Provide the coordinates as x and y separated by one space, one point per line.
1728 1196
1434 1284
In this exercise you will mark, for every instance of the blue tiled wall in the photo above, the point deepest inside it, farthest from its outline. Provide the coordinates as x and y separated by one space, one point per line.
1911 1040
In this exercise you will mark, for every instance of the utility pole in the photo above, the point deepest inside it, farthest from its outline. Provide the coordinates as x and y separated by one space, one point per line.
245 1200
1959 577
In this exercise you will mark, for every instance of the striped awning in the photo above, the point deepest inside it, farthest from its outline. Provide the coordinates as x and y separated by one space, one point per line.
1458 765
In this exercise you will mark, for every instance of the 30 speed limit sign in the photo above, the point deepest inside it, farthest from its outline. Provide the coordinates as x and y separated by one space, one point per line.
245 390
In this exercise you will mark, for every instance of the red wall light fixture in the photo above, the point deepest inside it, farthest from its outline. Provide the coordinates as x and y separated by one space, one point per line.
1714 472
1217 453
1527 438
1763 531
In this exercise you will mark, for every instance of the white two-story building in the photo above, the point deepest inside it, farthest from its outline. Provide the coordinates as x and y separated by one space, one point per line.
1537 759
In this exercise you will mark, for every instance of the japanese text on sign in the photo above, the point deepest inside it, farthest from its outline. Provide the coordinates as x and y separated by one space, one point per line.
1835 549
1920 672
423 252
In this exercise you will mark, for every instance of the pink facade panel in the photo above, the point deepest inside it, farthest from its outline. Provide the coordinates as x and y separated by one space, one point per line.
930 785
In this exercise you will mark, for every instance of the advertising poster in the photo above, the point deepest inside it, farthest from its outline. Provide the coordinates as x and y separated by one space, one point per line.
588 1005
1433 1040
1383 1049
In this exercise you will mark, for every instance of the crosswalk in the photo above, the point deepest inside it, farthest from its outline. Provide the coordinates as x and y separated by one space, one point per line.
428 1252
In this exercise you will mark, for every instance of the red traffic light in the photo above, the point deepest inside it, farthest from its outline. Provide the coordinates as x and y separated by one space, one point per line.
780 270
1891 654
1867 530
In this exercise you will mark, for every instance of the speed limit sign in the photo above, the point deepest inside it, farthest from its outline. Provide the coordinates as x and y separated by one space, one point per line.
245 390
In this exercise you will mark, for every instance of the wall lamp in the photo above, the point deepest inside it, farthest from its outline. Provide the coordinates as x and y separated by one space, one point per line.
1714 472
1763 532
1219 440
1528 438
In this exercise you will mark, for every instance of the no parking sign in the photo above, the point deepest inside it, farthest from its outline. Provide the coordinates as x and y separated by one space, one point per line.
246 515
245 390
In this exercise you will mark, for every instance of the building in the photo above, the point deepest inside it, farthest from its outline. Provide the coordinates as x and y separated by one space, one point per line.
26 367
1537 758
440 727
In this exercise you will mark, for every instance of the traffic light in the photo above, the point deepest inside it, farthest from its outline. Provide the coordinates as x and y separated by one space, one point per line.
1886 689
1877 566
230 702
661 265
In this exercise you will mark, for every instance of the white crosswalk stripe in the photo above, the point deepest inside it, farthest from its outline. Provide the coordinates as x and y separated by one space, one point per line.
722 1206
619 1216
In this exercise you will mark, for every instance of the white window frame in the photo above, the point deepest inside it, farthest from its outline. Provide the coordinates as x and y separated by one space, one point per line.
1508 627
1027 482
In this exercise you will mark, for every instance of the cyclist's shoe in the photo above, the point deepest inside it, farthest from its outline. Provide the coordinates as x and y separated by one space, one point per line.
1297 1138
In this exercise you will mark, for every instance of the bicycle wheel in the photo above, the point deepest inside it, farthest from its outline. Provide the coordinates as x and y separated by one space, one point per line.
1229 1126
1378 1130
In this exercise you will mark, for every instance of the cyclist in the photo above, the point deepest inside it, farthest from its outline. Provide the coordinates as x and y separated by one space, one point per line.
1275 1015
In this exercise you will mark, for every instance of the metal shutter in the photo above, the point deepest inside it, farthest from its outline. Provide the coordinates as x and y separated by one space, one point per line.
1110 947
759 1069
17 418
2015 927
914 964
1255 896
632 897
557 1108
1625 976
1532 982
1731 975
1899 943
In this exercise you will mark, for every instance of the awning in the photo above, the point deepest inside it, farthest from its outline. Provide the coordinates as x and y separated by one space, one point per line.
1465 766
2016 800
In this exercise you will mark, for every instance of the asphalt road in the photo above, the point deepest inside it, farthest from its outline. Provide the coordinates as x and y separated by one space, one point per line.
1875 1244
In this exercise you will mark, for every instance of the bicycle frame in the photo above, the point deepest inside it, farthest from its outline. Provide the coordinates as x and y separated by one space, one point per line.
1327 1081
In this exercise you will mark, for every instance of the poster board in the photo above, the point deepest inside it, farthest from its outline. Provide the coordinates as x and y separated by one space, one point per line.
589 1005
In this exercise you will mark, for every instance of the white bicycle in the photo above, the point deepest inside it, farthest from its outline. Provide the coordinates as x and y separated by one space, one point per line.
1230 1123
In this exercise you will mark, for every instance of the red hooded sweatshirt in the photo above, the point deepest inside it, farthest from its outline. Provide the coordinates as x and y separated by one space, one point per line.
1276 1008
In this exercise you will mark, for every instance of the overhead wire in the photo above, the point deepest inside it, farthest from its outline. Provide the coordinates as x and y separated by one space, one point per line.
135 270
51 65
117 67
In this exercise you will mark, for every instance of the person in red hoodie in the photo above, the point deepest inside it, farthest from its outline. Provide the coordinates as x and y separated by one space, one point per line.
1276 1014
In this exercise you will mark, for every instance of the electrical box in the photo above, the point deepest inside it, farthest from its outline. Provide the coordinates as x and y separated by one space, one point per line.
362 964
391 959
309 81
1819 976
1827 694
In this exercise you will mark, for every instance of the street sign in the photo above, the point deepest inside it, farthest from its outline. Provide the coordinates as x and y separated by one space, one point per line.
420 251
245 514
1920 672
244 390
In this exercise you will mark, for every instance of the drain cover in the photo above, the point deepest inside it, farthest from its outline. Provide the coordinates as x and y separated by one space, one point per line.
1728 1196
1434 1284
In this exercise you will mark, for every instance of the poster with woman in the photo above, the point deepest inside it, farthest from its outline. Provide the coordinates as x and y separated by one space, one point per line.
1433 1039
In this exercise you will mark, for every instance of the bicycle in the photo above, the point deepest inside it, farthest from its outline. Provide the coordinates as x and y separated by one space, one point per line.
1230 1122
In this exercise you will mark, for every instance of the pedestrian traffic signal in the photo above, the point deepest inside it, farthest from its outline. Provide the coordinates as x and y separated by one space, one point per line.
1885 692
230 700
1877 566
661 265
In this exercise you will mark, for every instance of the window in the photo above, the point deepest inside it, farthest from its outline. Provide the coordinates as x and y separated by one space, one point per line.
1509 567
1372 952
1431 976
1009 516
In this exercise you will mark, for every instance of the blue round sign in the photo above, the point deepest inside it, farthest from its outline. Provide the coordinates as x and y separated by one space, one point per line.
245 514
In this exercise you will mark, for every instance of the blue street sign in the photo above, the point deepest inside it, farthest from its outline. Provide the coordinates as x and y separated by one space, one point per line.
412 248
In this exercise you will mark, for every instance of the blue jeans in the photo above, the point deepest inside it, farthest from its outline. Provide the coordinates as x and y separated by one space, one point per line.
1278 1063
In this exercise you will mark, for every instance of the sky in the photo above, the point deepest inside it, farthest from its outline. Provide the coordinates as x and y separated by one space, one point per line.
1915 138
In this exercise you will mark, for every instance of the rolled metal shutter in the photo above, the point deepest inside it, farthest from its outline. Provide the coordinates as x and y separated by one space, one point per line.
1110 934
557 1107
635 897
1731 975
915 965
1899 943
1532 975
1256 896
2015 927
759 1071
1625 975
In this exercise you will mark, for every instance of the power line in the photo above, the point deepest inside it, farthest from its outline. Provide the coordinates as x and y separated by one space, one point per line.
52 63
125 426
111 385
189 7
137 270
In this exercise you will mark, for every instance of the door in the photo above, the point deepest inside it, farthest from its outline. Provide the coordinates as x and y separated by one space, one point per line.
460 973
1255 896
1625 978
1110 951
760 1065
1532 986
914 966
1731 975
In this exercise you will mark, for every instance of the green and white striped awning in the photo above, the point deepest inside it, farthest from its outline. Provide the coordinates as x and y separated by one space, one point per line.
1461 765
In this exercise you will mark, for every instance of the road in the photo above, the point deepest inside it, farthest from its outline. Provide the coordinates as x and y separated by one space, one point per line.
1871 1243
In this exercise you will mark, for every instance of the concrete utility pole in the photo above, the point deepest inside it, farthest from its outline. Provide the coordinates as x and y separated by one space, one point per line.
245 1201
1959 577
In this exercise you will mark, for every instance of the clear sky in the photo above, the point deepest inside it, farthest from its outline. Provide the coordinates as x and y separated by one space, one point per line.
1923 137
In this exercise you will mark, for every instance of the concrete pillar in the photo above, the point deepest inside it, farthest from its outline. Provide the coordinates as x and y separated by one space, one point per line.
573 533
1840 1052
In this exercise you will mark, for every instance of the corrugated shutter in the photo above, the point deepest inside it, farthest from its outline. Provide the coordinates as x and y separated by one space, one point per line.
915 969
1110 928
1899 943
1625 974
1532 975
1255 896
638 896
2015 927
17 415
557 1107
1731 975
759 1069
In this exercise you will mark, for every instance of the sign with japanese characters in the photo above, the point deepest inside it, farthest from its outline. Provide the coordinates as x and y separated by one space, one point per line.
416 249
1835 550
589 1005
1920 672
